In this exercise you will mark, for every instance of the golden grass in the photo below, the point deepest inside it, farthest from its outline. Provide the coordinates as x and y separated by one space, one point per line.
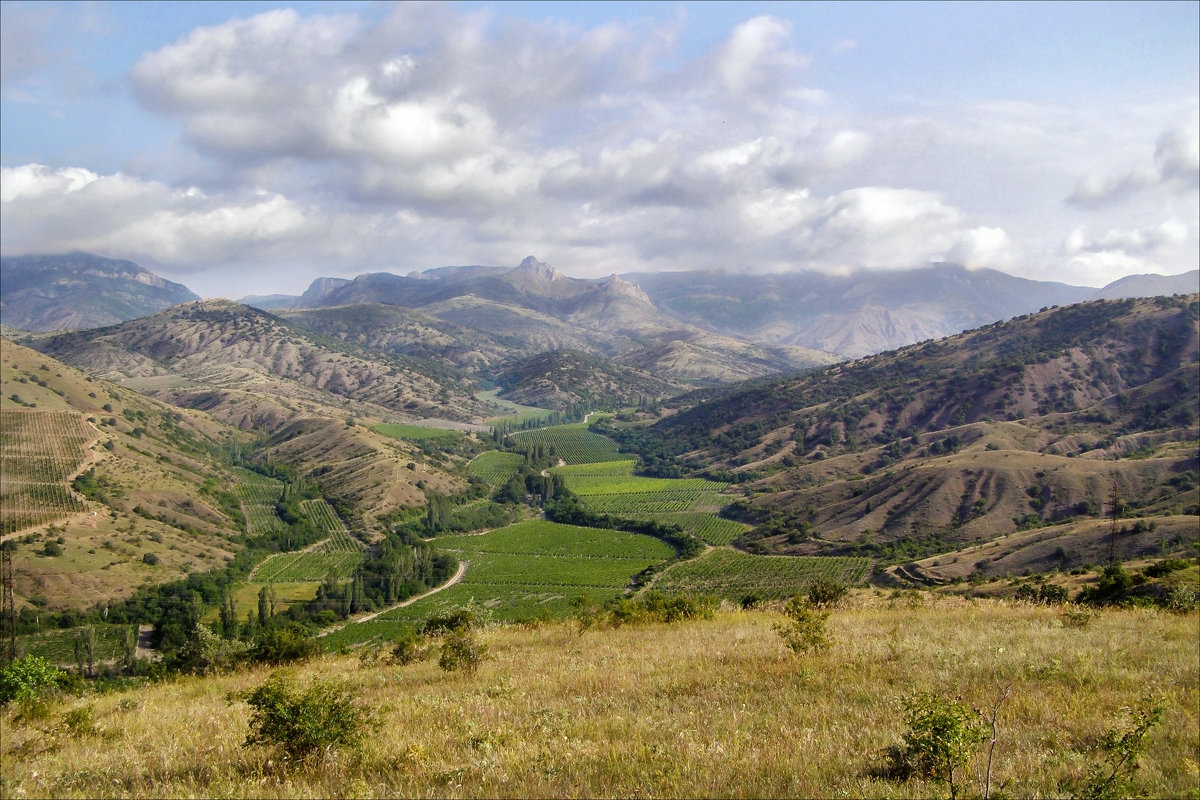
717 708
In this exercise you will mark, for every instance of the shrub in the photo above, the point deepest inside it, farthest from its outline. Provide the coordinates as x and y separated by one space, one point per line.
941 738
29 679
304 724
292 642
1113 777
827 593
804 629
408 646
462 650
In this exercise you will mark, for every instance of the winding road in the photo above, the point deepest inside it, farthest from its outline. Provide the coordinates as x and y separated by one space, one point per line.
462 569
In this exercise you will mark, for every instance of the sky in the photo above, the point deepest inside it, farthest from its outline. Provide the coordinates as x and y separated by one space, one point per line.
250 147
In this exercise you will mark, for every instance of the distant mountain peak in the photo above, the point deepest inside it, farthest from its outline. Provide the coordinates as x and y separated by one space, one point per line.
531 268
615 284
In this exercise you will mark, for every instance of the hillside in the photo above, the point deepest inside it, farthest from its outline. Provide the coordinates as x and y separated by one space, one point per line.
702 708
154 505
566 379
1033 423
256 371
80 290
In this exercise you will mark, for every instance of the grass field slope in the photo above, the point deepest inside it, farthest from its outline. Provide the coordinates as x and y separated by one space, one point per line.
709 708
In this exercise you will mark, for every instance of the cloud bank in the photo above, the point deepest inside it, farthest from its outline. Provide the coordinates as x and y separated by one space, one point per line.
334 145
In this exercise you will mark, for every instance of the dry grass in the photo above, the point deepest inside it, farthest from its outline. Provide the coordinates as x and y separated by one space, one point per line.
717 708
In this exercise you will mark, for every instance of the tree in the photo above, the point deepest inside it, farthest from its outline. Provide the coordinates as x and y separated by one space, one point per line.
305 724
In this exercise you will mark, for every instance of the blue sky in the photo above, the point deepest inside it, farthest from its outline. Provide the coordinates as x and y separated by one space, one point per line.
250 147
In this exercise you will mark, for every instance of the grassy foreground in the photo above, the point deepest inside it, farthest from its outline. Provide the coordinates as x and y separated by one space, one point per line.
714 708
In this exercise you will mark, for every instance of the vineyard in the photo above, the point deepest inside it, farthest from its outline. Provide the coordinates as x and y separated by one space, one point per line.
531 569
574 444
611 488
732 574
58 646
707 526
40 451
337 556
418 433
258 495
494 467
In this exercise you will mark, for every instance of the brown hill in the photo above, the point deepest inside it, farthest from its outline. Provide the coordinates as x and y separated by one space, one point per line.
1039 422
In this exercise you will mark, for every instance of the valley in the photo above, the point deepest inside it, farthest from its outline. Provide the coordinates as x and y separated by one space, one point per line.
328 483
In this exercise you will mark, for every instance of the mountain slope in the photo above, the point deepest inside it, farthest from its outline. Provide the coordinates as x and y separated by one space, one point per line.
80 290
853 315
155 506
1030 423
256 371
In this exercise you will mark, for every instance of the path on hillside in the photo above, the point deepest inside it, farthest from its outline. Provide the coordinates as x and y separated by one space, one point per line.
462 569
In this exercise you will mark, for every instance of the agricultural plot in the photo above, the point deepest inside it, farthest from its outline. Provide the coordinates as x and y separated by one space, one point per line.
707 526
258 495
494 467
324 517
531 569
39 453
732 574
58 646
417 433
574 444
611 489
306 567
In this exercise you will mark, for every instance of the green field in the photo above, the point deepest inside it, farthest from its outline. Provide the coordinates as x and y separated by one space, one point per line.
574 444
706 525
339 555
611 488
258 495
732 574
58 646
494 467
531 569
397 430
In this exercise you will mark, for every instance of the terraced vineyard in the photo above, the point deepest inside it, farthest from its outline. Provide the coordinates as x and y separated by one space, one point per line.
575 444
40 451
258 495
732 574
494 467
531 569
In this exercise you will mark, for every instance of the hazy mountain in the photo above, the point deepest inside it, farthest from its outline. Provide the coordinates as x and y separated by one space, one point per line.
80 290
856 314
1150 286
941 446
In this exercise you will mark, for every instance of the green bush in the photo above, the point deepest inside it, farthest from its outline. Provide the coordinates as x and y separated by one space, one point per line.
304 725
804 629
292 642
29 679
462 650
1113 776
827 593
408 646
941 738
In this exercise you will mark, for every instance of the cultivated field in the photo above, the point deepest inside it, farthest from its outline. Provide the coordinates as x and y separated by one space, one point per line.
732 574
533 569
714 708
574 444
494 467
40 451
258 495
337 556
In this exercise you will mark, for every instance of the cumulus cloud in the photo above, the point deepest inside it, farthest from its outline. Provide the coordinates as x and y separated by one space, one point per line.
330 144
1176 167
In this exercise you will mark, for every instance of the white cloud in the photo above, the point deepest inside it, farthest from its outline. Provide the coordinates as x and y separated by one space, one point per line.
756 57
1176 167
